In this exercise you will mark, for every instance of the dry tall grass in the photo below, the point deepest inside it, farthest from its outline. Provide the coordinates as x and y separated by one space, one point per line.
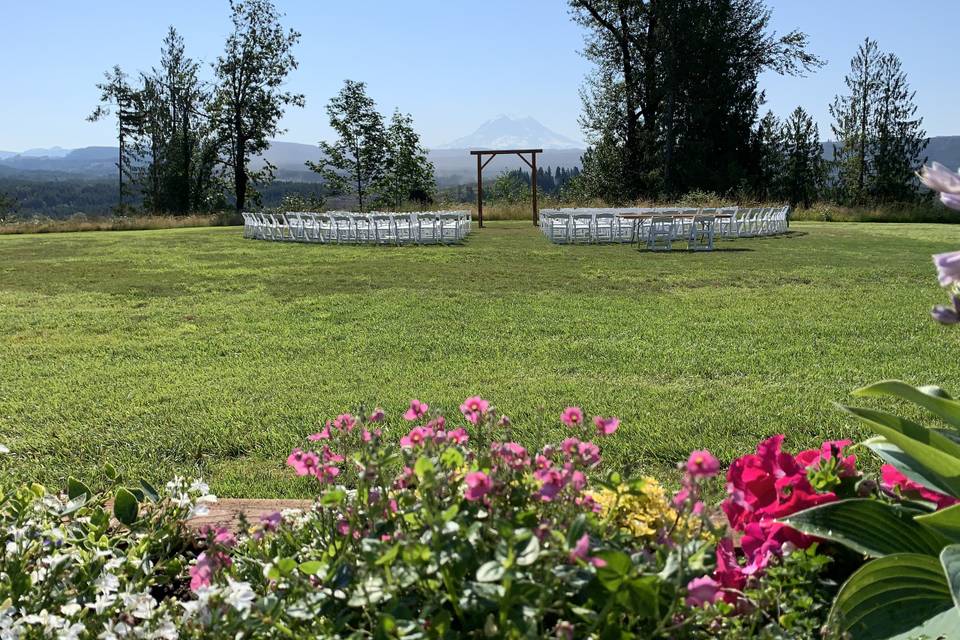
131 223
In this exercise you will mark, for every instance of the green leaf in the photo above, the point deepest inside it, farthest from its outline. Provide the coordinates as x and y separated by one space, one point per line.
452 458
75 489
946 522
333 497
950 560
904 593
913 470
490 571
528 552
125 506
388 556
938 456
111 471
148 489
450 513
927 397
424 467
871 527
616 569
286 565
311 567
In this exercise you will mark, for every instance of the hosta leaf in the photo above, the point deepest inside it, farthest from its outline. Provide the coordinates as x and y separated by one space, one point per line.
902 594
946 522
75 488
868 526
938 456
945 408
125 506
950 559
913 470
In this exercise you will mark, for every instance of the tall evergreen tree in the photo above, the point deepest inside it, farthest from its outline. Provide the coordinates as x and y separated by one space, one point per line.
802 173
408 172
770 157
249 99
879 138
355 162
118 96
674 96
900 138
183 150
853 126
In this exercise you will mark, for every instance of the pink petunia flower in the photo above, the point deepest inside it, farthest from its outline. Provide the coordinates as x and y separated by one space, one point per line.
271 521
702 464
572 417
478 485
377 416
474 408
702 591
581 552
415 438
458 436
323 435
898 484
606 426
303 462
416 411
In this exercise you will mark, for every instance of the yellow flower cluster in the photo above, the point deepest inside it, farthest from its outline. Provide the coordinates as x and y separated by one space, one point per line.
643 510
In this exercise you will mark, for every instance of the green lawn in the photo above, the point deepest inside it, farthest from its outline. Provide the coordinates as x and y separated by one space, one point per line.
194 351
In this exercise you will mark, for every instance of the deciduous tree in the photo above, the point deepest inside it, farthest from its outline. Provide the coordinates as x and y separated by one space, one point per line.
249 99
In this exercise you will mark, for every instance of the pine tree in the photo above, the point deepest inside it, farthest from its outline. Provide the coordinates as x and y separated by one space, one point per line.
802 173
900 138
408 172
355 162
770 158
248 101
117 94
184 152
853 126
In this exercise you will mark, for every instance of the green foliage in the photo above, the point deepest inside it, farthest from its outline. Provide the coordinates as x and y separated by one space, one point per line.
180 155
908 588
879 138
408 172
790 601
355 162
674 97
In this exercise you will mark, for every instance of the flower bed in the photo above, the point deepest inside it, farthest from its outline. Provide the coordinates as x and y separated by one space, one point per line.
458 531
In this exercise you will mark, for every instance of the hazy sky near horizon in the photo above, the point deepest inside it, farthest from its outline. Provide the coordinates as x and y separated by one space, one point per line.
453 64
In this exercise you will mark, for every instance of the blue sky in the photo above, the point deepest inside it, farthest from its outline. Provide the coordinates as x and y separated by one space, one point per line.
451 63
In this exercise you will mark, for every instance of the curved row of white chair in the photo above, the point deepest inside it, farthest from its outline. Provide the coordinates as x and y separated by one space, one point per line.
665 225
345 227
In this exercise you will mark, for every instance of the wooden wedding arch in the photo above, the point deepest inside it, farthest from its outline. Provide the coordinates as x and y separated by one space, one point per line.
520 153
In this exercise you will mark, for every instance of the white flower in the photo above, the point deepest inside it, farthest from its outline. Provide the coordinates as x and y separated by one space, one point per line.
4 450
166 630
72 632
70 609
238 595
119 630
939 178
139 605
199 486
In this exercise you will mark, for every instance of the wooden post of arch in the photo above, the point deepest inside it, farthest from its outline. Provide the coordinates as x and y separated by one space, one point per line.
532 163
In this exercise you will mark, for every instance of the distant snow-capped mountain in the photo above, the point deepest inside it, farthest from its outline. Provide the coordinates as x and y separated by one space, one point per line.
504 132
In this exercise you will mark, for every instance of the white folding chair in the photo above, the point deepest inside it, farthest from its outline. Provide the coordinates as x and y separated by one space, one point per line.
661 233
701 233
